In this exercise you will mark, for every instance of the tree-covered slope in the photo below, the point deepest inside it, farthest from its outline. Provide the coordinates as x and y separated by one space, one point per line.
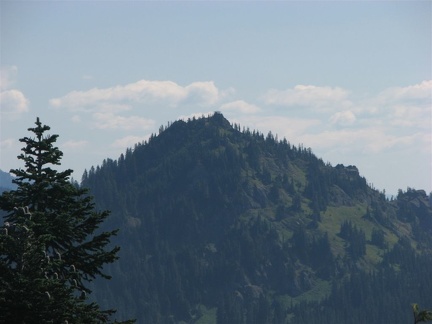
225 225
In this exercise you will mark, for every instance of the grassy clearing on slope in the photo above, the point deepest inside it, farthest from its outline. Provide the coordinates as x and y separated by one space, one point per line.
331 222
208 315
319 291
335 216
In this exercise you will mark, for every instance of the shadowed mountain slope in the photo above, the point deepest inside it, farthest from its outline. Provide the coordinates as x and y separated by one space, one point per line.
225 225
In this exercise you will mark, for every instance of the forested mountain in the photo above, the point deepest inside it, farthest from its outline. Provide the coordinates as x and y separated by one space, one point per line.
220 224
6 181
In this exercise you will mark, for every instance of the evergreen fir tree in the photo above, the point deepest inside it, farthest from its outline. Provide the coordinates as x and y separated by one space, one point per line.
49 250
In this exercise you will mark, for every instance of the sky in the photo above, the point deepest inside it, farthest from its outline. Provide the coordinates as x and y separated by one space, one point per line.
351 80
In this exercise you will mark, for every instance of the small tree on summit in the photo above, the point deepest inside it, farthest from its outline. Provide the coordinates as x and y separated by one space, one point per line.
48 247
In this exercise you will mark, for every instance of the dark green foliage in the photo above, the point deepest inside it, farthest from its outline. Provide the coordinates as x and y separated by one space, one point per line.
322 258
382 296
421 315
317 188
378 238
414 208
296 203
249 226
48 247
355 238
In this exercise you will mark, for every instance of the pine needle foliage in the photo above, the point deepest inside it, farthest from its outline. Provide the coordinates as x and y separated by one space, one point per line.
50 246
421 315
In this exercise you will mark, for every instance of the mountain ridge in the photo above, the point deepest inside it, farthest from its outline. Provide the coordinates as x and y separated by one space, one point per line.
6 181
235 226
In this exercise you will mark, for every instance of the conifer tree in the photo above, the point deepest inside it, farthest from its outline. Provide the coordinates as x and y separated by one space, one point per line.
49 245
421 315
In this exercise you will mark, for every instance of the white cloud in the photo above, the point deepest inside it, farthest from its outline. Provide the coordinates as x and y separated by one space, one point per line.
395 120
13 103
343 118
128 141
143 91
113 107
309 96
327 139
106 104
203 93
283 126
418 91
7 143
75 144
111 121
365 140
426 144
411 116
76 119
386 141
7 76
240 106
403 107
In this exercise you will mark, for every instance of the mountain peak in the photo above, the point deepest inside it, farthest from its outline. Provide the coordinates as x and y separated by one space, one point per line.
211 216
217 119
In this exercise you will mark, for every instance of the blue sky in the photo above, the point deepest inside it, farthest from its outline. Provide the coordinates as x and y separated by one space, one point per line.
351 80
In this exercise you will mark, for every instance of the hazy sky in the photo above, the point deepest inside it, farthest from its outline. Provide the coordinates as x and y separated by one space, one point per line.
351 80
